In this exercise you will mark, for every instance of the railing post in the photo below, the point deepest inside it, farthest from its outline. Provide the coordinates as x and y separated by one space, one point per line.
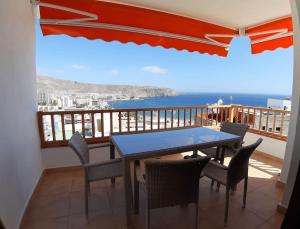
231 113
69 120
41 127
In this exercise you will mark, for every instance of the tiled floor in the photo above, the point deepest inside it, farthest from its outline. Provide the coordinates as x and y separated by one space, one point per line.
59 203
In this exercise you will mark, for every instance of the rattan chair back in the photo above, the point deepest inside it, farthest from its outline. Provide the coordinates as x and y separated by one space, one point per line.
238 166
175 182
236 129
79 145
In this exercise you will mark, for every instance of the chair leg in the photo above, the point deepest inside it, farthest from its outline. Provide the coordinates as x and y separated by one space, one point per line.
148 218
226 206
233 189
86 200
197 210
212 183
245 191
136 188
222 156
112 156
113 181
218 186
89 188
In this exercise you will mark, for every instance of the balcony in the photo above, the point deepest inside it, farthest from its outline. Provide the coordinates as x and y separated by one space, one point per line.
58 199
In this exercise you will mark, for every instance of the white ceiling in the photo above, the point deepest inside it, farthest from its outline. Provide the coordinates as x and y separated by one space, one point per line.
229 13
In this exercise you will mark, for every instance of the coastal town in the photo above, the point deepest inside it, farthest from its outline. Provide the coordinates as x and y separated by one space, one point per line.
56 94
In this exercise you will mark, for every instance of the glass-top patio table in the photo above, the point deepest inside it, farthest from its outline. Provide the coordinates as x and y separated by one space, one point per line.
135 146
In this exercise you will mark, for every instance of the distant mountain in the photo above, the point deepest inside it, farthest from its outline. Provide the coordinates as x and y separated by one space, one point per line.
69 87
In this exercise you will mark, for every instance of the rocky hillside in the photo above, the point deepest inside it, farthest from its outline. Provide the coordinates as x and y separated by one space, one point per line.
69 87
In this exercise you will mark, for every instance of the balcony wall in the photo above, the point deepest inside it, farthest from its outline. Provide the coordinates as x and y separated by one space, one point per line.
64 156
20 155
270 146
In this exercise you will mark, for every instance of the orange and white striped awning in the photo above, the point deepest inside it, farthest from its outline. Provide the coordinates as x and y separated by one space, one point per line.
142 24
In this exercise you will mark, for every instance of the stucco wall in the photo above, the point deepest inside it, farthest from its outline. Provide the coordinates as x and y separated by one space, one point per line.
20 155
64 156
269 146
292 155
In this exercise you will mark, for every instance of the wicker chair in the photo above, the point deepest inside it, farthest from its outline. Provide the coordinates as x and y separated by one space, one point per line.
94 171
169 183
231 175
231 128
1 224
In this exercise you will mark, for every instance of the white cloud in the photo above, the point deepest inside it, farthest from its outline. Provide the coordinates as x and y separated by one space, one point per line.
78 66
114 72
154 70
41 70
49 71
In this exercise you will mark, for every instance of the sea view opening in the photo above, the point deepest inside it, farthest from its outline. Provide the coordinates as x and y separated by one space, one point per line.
57 127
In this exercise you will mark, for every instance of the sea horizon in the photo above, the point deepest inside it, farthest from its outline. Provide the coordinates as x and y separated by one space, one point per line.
197 99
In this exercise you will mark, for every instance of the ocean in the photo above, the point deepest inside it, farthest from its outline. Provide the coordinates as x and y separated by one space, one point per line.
197 99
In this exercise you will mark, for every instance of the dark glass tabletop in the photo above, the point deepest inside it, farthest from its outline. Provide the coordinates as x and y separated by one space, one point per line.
140 143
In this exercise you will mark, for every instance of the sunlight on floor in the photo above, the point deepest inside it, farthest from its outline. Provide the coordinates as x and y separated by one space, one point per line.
261 170
257 168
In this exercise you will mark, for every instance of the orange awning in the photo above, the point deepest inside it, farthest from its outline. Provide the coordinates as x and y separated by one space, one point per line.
271 35
115 21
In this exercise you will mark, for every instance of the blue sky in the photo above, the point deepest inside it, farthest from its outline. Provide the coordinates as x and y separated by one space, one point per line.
115 63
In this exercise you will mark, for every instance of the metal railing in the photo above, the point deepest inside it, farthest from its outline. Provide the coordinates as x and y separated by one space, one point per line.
56 127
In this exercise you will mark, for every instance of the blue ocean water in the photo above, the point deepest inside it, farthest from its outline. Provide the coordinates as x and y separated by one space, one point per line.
196 100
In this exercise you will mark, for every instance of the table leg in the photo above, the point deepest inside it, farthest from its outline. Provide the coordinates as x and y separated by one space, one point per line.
222 155
216 159
217 154
221 162
112 156
128 191
195 154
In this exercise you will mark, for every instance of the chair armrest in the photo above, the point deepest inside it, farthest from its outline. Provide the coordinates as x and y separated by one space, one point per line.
92 165
139 175
98 146
220 166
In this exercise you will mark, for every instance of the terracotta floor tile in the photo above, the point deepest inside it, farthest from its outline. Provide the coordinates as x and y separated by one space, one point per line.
51 188
276 220
261 204
55 183
237 217
265 226
59 203
98 202
96 220
270 188
57 223
47 207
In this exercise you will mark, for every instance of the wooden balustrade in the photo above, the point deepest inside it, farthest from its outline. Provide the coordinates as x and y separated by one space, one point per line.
55 128
264 121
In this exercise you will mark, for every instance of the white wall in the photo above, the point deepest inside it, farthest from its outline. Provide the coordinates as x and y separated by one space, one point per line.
292 155
20 156
269 146
64 156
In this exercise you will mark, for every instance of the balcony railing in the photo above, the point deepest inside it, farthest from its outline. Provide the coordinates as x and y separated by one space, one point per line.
57 127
